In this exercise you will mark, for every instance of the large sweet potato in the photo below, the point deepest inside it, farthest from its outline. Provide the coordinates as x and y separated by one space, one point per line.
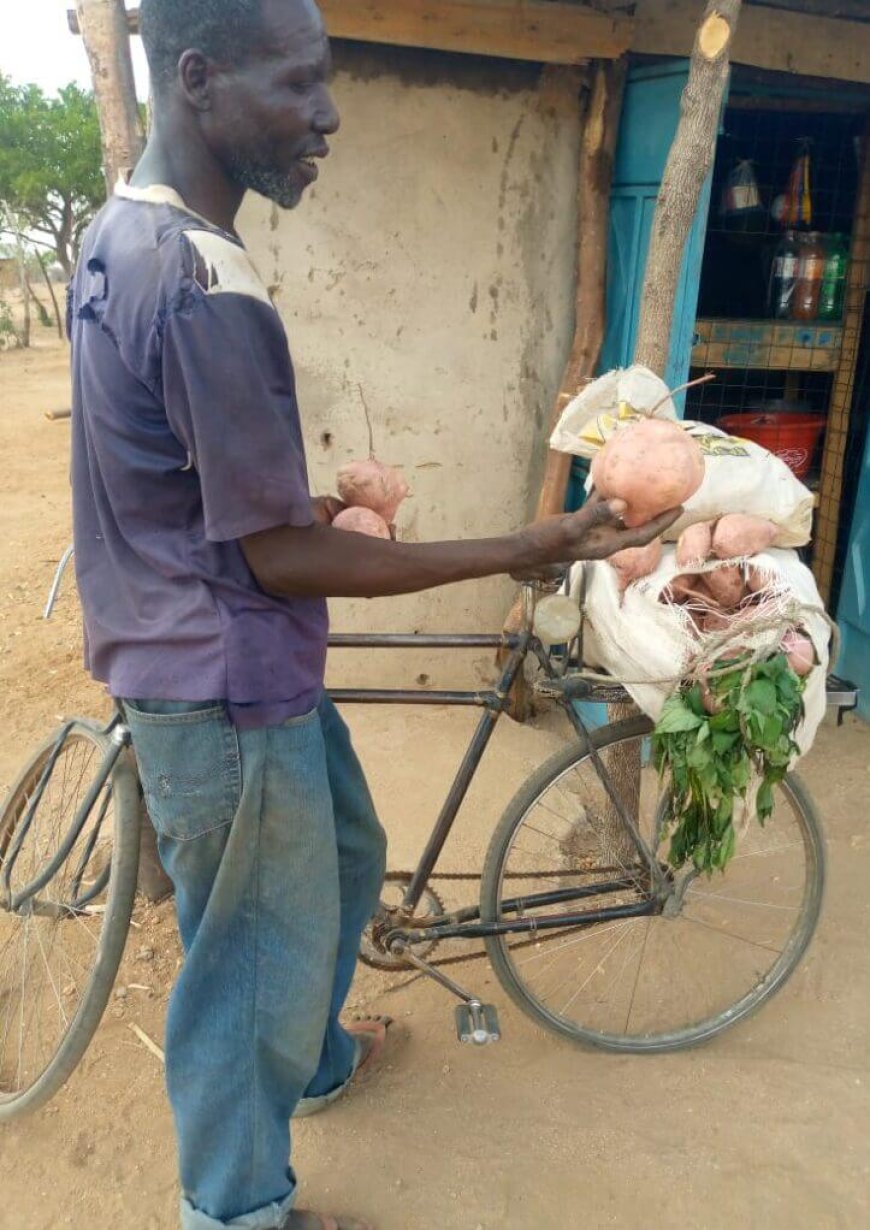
653 465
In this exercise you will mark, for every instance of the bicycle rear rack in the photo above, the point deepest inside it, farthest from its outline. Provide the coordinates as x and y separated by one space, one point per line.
842 696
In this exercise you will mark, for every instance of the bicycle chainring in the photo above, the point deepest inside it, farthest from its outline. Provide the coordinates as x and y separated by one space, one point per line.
430 906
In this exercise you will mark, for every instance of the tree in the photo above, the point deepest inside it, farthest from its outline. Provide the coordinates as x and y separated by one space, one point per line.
50 164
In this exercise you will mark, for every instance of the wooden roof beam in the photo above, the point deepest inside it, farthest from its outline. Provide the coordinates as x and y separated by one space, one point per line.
557 32
554 32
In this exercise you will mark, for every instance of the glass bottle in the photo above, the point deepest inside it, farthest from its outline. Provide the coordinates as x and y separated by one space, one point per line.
811 269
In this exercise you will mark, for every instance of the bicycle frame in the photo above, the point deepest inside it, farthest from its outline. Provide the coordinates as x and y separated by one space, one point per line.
464 923
26 897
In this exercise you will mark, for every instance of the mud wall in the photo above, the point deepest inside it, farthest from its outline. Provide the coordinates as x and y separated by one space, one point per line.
431 271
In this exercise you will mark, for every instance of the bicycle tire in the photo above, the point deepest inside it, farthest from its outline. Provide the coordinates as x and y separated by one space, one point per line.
675 1039
120 893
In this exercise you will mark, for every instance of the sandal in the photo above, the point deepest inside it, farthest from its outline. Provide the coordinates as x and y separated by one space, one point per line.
371 1033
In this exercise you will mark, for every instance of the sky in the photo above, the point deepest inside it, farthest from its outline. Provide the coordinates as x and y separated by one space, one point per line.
37 46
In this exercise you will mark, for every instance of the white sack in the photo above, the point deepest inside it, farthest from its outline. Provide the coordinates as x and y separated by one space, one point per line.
739 476
650 646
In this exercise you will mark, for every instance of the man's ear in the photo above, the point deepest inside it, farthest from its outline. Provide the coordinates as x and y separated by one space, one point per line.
194 79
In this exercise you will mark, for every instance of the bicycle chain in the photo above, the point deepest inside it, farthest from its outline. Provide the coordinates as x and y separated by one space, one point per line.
463 875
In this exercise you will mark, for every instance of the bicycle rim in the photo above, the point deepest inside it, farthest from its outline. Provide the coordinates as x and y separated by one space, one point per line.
652 983
58 960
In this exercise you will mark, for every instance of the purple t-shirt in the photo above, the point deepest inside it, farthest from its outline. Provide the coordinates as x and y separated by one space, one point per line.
186 438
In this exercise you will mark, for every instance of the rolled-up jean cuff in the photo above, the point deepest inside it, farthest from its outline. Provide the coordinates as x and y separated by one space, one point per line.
269 1217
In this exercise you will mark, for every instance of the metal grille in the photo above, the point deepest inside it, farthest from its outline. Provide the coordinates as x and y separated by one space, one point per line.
806 365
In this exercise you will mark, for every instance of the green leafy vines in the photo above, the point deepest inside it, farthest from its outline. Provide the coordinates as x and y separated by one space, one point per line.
713 758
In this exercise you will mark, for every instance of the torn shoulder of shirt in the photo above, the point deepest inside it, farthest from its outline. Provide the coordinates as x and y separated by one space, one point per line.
222 267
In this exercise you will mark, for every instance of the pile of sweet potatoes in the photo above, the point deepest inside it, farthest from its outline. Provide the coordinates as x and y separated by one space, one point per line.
735 591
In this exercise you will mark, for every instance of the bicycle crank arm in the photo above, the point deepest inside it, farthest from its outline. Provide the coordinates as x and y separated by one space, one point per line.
476 1022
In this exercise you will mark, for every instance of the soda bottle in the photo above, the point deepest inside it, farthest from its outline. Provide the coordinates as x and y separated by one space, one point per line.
811 269
834 279
783 276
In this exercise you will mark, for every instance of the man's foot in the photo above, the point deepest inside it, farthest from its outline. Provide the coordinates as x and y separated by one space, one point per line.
302 1219
371 1032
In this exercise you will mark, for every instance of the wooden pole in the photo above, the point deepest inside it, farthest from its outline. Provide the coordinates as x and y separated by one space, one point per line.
689 162
843 390
686 170
600 128
104 29
596 174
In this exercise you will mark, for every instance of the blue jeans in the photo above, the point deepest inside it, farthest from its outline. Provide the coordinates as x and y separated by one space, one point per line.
277 857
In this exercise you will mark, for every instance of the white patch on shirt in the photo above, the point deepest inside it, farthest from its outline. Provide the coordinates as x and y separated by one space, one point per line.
155 194
228 268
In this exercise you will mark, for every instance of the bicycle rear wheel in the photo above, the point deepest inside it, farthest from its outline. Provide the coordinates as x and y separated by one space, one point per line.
60 951
648 983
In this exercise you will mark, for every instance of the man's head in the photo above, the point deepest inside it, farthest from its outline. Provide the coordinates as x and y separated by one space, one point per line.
252 77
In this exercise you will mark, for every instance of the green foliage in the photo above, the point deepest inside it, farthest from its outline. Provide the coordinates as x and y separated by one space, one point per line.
714 757
50 163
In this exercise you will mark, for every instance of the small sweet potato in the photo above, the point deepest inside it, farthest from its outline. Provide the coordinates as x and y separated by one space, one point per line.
737 535
371 484
636 562
362 521
726 585
716 621
799 650
695 544
682 587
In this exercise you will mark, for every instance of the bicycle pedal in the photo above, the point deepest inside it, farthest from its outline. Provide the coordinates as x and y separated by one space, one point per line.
477 1023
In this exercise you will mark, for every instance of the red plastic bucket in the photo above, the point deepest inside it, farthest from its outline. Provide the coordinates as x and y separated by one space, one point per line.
793 437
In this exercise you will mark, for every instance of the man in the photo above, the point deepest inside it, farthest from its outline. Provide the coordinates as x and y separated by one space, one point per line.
204 565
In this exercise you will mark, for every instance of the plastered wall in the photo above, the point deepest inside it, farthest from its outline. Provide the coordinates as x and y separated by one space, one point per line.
432 267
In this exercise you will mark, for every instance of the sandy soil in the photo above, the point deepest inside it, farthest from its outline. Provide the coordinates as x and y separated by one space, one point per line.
766 1127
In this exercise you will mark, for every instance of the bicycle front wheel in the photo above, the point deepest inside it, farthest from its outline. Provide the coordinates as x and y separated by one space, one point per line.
61 947
656 982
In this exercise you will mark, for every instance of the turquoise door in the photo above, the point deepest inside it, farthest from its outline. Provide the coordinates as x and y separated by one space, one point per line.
651 111
853 615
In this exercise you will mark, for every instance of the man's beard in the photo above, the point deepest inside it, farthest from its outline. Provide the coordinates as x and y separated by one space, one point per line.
282 187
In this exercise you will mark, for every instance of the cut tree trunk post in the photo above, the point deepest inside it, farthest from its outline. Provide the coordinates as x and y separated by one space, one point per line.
600 128
688 165
21 262
105 33
689 162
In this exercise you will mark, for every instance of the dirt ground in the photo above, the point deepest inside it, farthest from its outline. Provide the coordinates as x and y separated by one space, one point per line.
765 1127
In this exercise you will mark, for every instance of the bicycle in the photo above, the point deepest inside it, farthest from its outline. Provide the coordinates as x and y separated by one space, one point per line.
589 930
